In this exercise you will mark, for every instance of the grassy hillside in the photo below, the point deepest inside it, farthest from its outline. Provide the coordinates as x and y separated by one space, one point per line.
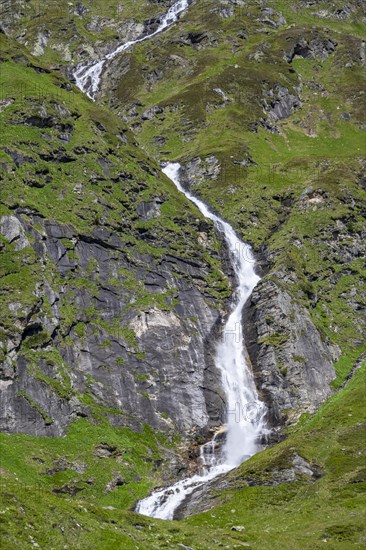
63 31
39 475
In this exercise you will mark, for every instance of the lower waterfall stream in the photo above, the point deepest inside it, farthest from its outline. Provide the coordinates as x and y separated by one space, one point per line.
245 424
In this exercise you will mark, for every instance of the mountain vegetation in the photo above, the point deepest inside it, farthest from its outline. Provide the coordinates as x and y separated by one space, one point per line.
114 288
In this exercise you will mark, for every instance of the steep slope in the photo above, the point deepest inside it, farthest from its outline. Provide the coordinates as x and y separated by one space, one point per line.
109 300
63 32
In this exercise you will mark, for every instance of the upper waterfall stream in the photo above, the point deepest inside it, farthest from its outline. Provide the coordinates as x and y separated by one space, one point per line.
245 413
87 77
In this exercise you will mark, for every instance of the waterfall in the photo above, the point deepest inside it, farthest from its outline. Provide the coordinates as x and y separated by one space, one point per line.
245 414
245 424
87 77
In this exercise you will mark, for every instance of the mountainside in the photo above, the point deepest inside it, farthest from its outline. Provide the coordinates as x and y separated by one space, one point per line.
265 107
115 289
109 293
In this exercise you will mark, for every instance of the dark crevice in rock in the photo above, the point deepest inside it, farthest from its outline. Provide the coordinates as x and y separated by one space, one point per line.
18 158
98 241
317 48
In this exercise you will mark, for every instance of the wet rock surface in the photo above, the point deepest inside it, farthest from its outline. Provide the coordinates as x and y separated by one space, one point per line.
292 366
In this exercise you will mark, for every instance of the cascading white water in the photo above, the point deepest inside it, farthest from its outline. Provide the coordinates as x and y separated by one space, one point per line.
245 413
87 77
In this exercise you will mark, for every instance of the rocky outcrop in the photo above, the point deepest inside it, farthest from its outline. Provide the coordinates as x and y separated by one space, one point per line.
293 366
271 18
196 170
198 40
12 230
205 497
317 48
280 103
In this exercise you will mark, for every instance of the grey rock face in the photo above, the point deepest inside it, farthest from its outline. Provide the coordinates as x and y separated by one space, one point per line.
151 25
30 406
12 230
41 43
197 170
292 366
280 103
318 48
149 210
151 363
272 18
79 9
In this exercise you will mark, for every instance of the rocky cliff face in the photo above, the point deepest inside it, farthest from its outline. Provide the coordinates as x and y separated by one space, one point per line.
154 371
292 366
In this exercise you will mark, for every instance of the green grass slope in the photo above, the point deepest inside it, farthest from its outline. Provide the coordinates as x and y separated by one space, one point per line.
322 511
